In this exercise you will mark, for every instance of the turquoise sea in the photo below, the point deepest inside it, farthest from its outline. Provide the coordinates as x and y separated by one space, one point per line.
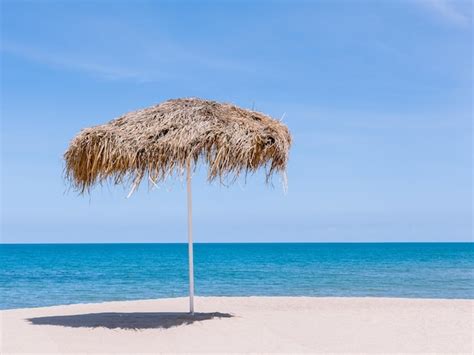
33 275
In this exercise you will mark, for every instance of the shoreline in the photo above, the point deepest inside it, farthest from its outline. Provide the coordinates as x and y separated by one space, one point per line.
243 324
251 296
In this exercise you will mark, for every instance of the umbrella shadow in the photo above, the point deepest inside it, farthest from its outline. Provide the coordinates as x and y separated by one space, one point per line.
135 320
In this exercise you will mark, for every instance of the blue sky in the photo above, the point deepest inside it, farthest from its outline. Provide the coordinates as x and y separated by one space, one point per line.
378 96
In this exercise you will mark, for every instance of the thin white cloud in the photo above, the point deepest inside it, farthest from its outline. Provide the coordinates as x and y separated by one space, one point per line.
157 60
454 12
72 62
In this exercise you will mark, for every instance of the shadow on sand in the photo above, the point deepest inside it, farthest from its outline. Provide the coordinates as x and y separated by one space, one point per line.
111 320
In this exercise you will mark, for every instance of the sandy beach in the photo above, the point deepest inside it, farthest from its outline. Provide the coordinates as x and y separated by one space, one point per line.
242 325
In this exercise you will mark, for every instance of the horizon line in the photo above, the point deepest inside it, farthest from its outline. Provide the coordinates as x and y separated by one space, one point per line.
296 242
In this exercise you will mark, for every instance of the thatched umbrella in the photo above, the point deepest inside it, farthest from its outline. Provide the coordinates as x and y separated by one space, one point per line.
167 139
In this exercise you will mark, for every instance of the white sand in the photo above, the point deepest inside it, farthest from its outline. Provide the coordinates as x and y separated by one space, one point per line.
259 324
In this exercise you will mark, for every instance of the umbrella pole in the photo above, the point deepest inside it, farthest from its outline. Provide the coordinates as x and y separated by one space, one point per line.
190 237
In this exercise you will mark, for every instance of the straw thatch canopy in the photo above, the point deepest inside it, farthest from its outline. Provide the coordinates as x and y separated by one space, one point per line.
158 141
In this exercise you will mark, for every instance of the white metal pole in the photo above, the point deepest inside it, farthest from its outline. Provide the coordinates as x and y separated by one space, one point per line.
190 237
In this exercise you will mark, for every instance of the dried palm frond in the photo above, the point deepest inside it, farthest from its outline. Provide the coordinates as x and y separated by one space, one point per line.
157 142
